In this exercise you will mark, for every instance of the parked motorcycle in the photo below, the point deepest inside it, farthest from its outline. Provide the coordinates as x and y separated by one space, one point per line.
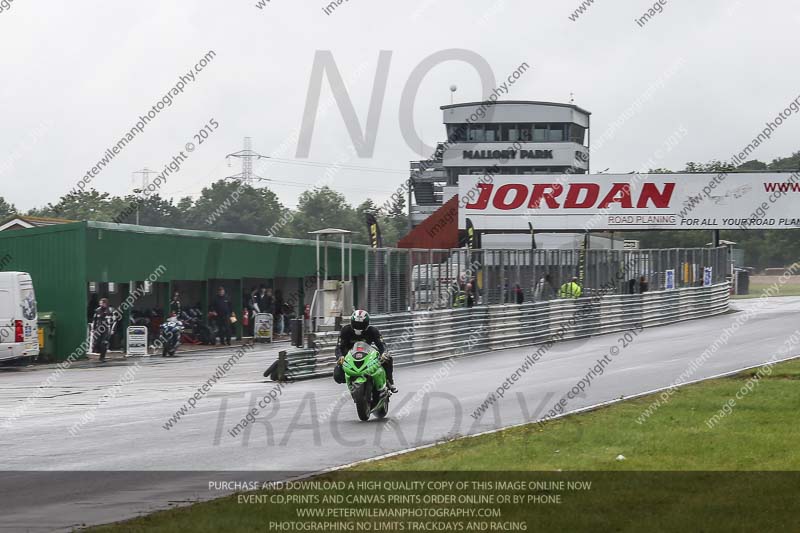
366 381
194 331
171 332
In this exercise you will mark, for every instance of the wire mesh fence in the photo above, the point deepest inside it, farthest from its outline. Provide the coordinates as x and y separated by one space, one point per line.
400 280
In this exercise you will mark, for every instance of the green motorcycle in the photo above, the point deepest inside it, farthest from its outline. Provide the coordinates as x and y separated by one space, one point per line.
366 380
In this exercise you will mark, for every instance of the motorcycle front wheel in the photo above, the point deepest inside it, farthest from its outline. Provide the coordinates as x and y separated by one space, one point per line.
362 398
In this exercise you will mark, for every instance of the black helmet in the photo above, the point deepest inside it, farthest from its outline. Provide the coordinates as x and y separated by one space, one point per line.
359 321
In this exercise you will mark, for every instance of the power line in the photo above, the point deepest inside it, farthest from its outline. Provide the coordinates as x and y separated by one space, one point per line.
247 156
310 185
337 165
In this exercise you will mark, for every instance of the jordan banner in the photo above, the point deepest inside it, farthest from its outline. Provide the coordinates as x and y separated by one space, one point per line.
585 202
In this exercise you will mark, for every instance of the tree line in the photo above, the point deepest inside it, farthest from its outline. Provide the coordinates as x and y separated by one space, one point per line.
230 206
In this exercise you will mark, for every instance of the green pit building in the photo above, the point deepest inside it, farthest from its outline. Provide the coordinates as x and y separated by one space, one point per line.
74 264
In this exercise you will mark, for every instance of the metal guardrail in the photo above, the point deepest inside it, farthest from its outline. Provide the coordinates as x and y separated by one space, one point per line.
404 279
429 335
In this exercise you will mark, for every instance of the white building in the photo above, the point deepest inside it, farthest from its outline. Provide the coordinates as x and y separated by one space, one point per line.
512 137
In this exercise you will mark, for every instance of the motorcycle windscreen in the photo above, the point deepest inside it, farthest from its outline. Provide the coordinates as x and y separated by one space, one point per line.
360 350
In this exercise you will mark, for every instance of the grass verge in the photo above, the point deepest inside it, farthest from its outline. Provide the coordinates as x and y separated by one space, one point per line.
678 473
757 290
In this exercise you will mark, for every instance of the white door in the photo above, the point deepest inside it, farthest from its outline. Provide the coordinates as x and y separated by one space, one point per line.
6 318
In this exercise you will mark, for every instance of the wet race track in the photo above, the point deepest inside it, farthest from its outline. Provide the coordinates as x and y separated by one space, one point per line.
107 446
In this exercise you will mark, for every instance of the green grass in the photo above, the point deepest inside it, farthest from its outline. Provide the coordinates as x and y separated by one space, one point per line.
757 289
678 474
763 433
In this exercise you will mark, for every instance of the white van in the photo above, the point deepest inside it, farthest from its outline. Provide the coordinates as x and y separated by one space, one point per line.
19 332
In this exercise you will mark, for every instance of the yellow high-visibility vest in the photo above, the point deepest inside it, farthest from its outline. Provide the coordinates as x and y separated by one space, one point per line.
570 290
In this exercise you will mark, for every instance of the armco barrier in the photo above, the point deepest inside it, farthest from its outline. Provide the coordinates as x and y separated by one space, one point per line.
429 335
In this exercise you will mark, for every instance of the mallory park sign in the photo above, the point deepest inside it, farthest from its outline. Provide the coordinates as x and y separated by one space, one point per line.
507 154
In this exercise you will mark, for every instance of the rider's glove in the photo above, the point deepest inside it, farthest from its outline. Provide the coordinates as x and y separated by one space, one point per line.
340 361
385 357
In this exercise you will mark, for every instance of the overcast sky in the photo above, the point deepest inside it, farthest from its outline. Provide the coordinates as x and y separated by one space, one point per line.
77 75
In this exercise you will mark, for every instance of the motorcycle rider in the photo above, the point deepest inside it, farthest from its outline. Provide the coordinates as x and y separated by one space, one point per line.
360 330
102 325
222 310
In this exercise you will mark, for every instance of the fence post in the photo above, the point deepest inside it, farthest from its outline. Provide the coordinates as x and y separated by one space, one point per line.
388 280
503 279
281 365
367 299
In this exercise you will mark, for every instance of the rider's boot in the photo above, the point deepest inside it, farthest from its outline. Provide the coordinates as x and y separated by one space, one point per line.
389 368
